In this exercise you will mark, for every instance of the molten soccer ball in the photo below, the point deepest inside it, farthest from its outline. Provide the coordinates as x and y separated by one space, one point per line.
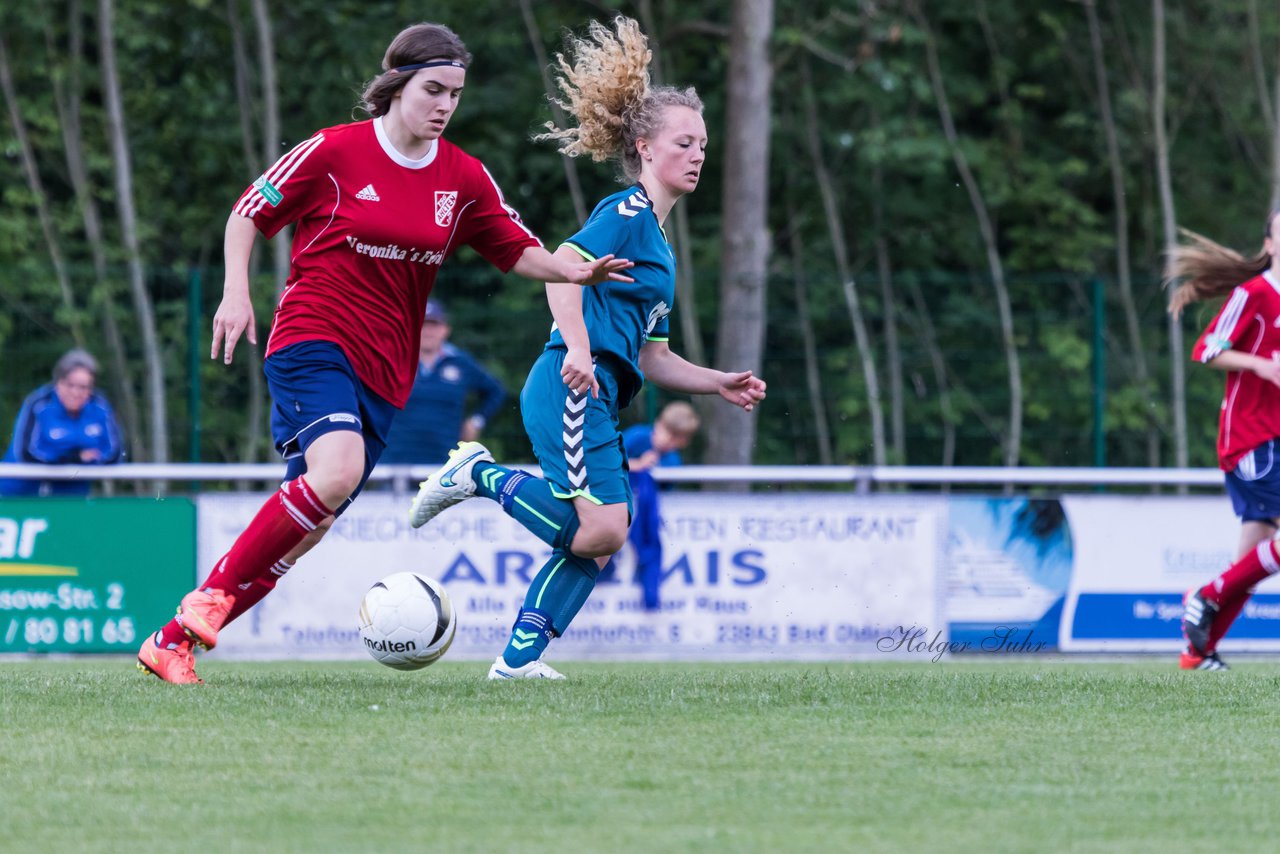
407 621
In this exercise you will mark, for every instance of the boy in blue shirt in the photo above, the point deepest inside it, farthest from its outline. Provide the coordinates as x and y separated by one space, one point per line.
647 447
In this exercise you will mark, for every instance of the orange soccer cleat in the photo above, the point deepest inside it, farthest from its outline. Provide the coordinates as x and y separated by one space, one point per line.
202 614
1193 660
176 664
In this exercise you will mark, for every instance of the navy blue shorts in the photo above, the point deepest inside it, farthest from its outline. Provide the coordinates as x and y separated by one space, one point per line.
314 390
576 439
1254 486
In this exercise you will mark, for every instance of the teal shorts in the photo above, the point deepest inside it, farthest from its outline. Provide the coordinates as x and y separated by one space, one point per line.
575 437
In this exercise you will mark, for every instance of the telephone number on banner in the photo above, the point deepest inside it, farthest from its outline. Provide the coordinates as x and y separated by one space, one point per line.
35 632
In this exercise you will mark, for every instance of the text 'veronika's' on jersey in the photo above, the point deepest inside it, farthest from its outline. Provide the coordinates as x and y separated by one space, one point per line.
372 229
1249 322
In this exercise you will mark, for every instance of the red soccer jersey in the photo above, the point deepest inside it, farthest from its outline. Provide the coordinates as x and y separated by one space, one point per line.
373 228
1249 322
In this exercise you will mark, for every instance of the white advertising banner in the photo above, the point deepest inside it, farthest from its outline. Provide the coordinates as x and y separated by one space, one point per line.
746 576
1135 557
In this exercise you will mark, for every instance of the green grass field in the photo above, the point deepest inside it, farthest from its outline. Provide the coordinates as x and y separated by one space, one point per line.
958 756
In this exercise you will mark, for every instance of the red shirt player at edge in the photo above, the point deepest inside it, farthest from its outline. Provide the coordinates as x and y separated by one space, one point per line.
1244 341
378 205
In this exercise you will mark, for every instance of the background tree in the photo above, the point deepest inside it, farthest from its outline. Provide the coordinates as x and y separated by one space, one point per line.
157 448
744 232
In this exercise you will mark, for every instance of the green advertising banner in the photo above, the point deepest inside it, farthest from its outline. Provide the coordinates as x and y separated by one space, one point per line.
92 576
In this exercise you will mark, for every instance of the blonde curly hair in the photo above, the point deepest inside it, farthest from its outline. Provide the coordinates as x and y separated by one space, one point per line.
606 89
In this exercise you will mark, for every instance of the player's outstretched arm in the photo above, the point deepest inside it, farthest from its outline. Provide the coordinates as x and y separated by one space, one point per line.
675 373
235 313
567 266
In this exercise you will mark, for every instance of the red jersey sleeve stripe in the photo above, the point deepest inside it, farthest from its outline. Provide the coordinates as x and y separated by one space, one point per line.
511 212
1219 338
251 202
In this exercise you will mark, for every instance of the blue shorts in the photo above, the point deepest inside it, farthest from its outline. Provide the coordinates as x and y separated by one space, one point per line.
314 390
1254 486
593 463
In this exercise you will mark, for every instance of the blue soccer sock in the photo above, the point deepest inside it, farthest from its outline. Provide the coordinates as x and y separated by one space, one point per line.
557 593
529 637
530 501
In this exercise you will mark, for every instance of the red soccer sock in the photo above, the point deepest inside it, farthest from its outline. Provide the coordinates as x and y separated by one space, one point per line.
172 634
284 520
246 597
1227 614
1243 575
248 571
257 590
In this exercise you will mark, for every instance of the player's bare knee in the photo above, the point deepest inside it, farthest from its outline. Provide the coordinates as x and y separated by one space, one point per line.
614 540
349 474
336 481
598 541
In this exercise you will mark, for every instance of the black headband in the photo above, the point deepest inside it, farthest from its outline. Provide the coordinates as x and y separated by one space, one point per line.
432 64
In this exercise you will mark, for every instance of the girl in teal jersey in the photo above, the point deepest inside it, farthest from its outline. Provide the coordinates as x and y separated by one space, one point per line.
606 341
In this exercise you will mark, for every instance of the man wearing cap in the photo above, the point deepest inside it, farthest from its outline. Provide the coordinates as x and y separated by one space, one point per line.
435 417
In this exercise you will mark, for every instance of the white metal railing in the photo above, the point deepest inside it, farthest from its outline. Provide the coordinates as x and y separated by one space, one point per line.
861 478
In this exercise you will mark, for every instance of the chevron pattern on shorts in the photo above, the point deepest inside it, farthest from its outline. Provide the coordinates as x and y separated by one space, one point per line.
575 456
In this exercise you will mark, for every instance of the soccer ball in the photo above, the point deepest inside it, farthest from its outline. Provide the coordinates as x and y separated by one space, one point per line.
407 621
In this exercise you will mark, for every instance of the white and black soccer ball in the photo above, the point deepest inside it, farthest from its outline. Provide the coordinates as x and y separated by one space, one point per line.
407 621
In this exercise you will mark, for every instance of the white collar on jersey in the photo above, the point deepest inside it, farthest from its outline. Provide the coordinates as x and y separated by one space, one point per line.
380 132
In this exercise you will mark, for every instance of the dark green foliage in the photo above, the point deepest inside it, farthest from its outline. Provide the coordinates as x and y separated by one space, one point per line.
1020 82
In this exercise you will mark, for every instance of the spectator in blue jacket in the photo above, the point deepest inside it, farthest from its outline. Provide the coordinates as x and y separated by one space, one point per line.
435 417
649 446
63 423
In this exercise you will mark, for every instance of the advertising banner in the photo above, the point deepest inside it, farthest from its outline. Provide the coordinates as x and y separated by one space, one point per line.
746 576
1008 564
1135 557
91 576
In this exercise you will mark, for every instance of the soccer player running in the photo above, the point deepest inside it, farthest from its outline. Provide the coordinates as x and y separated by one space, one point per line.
378 206
1244 341
605 341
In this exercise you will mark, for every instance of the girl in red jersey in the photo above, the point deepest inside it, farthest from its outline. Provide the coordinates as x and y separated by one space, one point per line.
377 206
1244 341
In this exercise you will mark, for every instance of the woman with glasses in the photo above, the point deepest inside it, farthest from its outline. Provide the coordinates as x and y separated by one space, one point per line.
65 422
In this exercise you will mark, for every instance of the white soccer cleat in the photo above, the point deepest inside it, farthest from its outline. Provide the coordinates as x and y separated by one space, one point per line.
536 669
451 484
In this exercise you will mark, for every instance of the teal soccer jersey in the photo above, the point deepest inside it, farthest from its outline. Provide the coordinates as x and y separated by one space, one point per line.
622 316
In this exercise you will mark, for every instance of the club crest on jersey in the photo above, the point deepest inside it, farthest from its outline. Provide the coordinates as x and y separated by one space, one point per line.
444 207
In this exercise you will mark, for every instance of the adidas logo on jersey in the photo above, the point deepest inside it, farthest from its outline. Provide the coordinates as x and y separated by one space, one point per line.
368 194
633 204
